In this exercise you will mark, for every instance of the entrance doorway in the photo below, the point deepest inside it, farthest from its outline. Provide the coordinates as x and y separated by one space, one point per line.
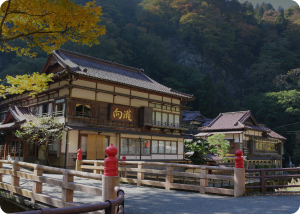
15 150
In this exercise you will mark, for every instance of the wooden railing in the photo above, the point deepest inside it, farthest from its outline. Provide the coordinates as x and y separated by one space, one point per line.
135 172
277 173
67 183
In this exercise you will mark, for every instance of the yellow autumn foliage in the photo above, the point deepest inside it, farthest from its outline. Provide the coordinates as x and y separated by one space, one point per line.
48 24
35 83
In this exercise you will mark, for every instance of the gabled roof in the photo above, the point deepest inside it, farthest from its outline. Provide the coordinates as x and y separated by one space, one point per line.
87 66
235 121
232 120
17 116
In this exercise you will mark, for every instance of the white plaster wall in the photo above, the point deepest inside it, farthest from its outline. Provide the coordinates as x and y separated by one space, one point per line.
63 142
158 157
180 148
84 83
105 87
122 90
170 156
139 94
180 156
73 141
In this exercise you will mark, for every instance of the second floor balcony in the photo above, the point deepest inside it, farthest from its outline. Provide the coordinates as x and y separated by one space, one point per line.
169 125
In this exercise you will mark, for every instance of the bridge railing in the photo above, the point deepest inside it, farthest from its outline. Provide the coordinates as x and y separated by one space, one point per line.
134 172
108 206
67 184
138 170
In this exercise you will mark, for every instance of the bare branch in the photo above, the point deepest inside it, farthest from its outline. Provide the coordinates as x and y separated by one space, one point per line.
35 32
20 12
4 17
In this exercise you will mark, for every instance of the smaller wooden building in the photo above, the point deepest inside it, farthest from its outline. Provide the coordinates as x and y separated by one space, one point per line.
12 147
260 145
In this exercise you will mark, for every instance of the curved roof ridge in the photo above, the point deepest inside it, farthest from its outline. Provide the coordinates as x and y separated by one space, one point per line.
126 67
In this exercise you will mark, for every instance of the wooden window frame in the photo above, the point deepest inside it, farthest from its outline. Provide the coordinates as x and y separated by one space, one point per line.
157 152
90 116
136 146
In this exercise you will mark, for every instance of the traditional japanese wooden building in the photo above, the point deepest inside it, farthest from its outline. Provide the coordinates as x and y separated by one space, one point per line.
260 145
102 102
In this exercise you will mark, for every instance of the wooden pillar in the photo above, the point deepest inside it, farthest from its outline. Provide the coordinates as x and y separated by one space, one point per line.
37 186
78 165
15 180
169 178
1 166
97 171
203 180
67 194
5 150
140 175
239 175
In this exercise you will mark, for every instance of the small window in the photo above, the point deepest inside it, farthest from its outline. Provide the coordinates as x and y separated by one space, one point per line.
177 109
124 146
158 106
164 107
173 108
59 109
83 110
131 146
154 146
169 108
152 105
174 148
168 147
161 147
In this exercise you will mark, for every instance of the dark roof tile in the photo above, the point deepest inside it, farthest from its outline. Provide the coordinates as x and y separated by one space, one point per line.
110 71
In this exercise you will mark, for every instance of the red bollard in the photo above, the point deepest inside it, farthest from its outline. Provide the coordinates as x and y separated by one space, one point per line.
79 154
111 163
239 161
124 159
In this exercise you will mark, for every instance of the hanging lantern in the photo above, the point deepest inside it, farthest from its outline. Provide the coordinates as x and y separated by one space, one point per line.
147 144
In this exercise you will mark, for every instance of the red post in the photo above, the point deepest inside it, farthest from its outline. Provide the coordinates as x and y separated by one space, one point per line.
124 159
111 163
79 154
239 161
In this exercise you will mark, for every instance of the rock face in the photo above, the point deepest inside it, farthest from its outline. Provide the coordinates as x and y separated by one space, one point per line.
186 54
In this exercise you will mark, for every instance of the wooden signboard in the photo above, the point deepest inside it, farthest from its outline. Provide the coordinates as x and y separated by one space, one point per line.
122 113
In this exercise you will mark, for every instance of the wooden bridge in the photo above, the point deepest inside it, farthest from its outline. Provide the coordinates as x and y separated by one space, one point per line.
67 184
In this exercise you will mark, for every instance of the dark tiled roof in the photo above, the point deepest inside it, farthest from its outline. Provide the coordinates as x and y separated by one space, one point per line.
188 116
112 72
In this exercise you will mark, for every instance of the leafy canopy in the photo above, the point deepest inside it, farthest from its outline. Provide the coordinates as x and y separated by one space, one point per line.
42 131
35 83
221 146
48 24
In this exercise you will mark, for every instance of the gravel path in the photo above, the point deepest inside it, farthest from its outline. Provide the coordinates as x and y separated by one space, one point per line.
145 200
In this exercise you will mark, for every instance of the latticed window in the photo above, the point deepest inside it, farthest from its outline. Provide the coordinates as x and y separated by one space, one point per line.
83 110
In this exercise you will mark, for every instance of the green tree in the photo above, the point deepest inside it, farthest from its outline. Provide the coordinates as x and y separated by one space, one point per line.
43 131
221 146
205 97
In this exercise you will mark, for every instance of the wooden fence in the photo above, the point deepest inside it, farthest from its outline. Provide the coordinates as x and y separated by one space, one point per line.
135 172
67 183
274 173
